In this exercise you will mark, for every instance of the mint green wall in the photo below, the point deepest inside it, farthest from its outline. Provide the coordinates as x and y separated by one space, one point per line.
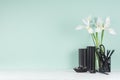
41 34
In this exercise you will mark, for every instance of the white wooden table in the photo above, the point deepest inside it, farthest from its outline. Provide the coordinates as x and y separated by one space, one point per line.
55 75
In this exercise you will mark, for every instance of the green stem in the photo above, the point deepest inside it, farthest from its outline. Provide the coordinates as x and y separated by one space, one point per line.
102 35
97 42
93 38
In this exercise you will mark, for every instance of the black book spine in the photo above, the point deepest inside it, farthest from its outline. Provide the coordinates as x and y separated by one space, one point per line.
80 58
91 59
83 58
88 59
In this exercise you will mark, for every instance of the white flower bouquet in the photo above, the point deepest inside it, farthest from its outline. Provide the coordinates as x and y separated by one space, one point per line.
96 27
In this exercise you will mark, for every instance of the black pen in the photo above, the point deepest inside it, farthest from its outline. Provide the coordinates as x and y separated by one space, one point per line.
111 54
108 52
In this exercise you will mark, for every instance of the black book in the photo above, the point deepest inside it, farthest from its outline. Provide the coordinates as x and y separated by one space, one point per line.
91 59
83 58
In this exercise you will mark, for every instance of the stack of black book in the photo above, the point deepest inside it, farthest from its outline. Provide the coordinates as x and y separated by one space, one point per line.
87 59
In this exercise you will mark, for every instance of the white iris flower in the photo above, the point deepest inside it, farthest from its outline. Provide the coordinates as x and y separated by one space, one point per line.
107 26
86 25
99 25
104 26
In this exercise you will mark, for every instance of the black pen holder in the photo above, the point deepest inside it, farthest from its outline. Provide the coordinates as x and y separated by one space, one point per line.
105 66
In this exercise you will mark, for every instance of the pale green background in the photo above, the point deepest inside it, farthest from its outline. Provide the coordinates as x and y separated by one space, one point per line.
41 34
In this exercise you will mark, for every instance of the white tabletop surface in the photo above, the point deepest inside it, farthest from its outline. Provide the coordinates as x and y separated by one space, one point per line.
55 75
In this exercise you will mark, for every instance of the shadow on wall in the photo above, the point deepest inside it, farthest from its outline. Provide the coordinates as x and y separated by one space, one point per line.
73 59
